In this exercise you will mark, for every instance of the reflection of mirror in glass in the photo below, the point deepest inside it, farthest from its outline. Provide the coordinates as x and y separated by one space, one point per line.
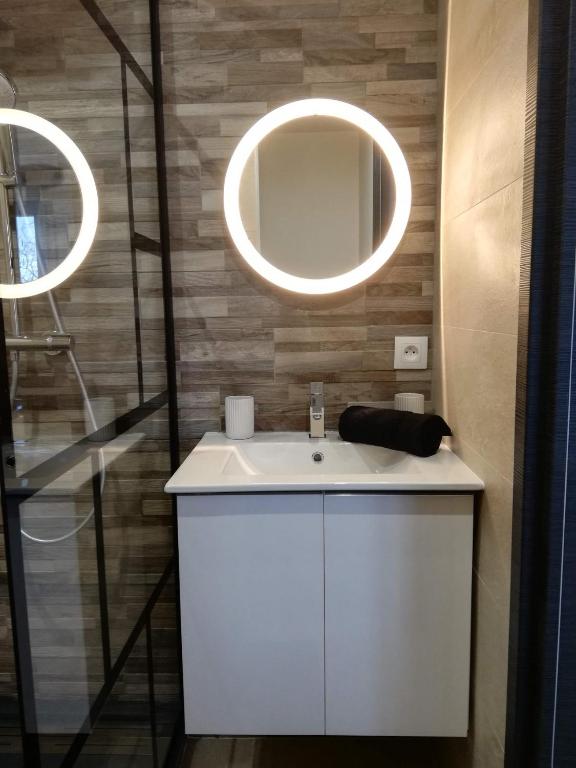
316 197
45 208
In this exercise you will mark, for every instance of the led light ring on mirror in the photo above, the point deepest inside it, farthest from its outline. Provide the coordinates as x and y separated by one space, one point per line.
249 143
68 148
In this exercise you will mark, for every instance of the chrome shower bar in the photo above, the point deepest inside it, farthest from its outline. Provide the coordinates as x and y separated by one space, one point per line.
51 342
7 161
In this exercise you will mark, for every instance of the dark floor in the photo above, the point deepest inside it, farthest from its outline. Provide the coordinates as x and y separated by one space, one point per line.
312 752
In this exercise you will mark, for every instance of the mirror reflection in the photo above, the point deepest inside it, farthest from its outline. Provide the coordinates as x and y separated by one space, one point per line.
43 205
316 197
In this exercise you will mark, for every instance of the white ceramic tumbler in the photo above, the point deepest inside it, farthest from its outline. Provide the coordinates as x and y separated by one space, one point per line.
239 417
409 401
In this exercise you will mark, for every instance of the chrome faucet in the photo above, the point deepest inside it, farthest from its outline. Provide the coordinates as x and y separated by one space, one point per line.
317 409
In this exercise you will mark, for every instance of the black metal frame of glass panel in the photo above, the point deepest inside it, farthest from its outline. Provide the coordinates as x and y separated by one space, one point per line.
16 490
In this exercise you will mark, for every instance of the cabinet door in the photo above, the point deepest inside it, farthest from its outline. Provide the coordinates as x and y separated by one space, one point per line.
398 594
252 597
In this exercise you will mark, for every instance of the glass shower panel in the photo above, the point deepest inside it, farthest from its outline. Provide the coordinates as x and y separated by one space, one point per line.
87 449
123 733
147 256
165 639
65 623
137 519
131 21
152 323
10 741
139 114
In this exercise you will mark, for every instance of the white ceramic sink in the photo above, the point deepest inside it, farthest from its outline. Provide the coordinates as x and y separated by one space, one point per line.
291 461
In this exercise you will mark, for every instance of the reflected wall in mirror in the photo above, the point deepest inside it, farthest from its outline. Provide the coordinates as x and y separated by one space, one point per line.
38 164
44 206
317 196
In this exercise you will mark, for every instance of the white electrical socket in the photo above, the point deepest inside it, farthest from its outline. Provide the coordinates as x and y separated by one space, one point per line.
410 352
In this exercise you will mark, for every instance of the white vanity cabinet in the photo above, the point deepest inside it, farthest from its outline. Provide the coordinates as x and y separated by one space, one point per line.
326 613
398 590
252 605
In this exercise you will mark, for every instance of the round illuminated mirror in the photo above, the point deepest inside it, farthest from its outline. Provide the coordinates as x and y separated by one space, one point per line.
48 205
317 196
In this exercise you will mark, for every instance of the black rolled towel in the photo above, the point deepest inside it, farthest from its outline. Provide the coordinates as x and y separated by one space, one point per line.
416 433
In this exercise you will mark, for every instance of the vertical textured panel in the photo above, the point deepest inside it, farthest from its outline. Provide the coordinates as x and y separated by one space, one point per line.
543 639
477 322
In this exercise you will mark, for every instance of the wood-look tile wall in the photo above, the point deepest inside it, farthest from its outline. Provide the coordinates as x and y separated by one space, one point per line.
226 63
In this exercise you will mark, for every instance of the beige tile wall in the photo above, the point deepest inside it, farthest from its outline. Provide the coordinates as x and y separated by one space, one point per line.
226 63
477 314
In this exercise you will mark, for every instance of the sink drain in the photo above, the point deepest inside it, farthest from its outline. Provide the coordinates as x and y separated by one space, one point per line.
317 457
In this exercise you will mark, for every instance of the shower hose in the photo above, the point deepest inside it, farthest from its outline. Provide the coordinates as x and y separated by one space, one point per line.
60 327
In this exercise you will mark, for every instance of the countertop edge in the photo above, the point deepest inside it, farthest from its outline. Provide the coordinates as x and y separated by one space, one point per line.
468 488
461 479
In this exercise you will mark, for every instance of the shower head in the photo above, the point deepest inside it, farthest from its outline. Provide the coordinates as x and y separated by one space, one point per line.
7 163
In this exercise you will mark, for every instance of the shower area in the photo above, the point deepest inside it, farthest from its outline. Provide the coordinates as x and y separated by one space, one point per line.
89 638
